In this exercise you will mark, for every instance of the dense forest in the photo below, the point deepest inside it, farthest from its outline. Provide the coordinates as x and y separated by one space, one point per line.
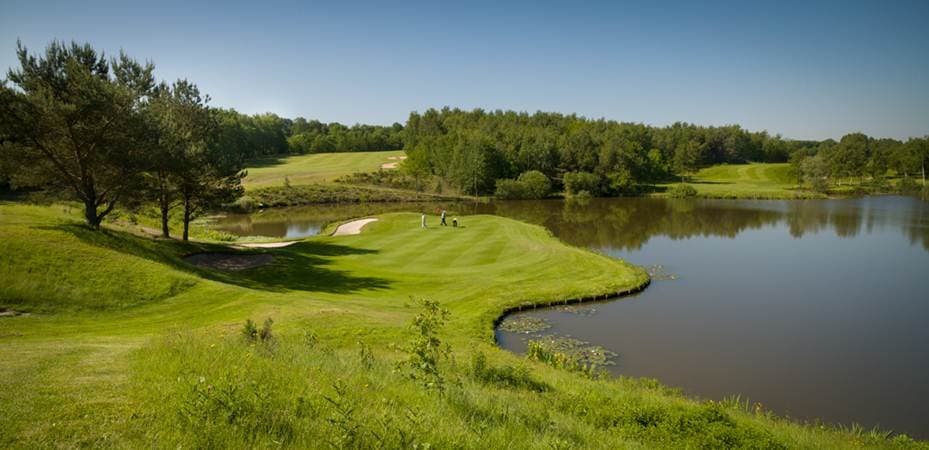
269 135
482 152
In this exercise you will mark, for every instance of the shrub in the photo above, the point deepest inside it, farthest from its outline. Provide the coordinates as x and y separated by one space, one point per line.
583 195
510 190
249 330
245 204
576 182
907 186
216 235
251 333
425 350
682 191
265 333
365 355
535 184
531 185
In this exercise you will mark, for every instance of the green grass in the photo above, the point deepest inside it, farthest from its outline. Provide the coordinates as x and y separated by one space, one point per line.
757 180
315 168
132 347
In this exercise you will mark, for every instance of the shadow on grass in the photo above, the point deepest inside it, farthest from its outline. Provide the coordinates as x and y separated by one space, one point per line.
266 161
302 267
298 267
709 182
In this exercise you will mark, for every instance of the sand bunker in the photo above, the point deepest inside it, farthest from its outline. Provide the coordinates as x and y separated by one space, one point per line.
392 165
353 227
266 244
228 261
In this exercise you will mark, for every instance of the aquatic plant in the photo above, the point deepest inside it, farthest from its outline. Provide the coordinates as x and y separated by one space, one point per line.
562 352
525 324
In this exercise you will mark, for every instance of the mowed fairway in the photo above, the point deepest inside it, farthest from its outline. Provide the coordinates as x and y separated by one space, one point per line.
756 180
320 167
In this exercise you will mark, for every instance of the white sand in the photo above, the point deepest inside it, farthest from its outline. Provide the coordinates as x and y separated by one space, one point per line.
353 227
266 244
392 165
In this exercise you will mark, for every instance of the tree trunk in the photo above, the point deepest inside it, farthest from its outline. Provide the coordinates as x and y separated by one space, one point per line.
165 231
90 213
186 217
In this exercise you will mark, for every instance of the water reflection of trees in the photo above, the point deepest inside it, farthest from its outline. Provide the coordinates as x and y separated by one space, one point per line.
277 221
629 223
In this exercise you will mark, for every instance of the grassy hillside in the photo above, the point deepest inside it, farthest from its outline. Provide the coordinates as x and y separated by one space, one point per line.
757 180
160 360
315 168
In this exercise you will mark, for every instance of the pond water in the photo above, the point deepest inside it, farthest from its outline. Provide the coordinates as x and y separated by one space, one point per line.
817 309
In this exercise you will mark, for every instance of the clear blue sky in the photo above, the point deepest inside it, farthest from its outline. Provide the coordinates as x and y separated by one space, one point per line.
804 70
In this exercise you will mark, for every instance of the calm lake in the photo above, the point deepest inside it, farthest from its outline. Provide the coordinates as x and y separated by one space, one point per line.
818 309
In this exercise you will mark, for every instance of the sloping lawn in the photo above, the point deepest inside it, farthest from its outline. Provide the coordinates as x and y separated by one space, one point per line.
134 347
315 168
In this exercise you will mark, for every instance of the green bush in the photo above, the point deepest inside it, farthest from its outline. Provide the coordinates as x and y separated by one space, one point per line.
510 190
535 184
245 204
907 185
577 182
531 185
582 195
682 191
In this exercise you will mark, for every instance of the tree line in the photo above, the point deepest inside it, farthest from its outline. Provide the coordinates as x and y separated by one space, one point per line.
857 156
268 134
480 151
106 131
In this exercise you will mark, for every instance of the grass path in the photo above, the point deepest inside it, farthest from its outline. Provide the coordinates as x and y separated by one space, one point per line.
315 168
